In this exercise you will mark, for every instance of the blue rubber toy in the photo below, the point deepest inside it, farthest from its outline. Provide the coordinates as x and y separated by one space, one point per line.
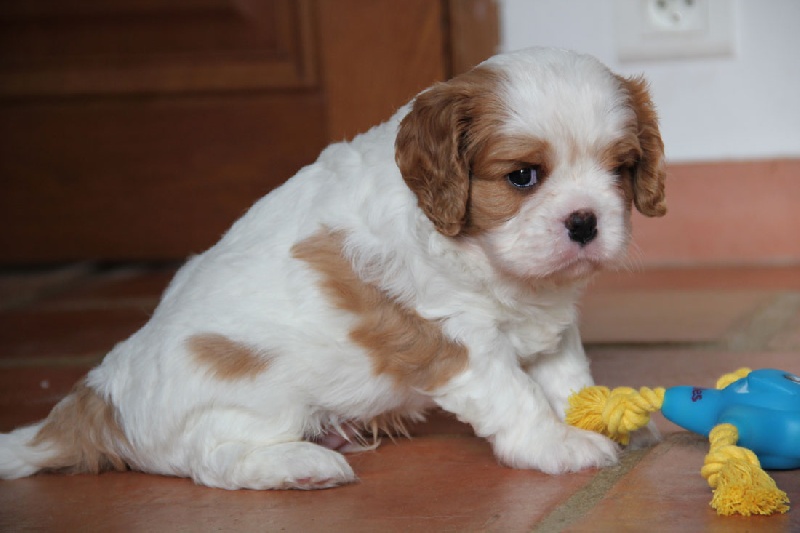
764 407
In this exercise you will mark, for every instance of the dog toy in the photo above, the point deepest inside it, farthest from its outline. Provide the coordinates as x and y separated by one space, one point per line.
752 419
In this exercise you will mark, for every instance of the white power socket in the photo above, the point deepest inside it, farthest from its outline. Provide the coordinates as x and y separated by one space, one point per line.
673 29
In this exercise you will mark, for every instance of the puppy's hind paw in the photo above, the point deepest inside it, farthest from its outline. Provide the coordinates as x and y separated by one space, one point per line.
302 465
291 465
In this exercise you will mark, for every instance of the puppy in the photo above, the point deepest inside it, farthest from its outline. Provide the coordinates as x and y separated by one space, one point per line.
435 260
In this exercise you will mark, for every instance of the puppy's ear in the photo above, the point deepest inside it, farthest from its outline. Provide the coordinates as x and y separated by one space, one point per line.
650 172
430 152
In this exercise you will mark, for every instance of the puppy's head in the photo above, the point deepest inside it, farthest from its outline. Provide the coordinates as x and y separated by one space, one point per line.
537 156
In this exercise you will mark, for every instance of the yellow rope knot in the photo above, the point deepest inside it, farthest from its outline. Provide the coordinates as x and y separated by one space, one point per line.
740 484
614 413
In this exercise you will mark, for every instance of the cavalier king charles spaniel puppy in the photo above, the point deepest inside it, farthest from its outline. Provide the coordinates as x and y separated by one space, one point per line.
434 261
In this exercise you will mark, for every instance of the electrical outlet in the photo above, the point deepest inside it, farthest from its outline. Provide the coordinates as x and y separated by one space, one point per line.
673 29
677 16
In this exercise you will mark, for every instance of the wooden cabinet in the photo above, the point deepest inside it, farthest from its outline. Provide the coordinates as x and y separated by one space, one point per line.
141 129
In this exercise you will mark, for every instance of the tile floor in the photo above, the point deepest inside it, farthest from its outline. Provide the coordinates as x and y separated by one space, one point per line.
656 327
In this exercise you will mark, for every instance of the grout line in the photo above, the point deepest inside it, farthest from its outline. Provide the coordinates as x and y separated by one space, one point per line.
587 498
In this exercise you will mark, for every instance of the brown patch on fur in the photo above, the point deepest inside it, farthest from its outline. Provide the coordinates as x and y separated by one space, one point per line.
649 174
493 200
228 360
412 350
83 428
621 158
625 186
438 139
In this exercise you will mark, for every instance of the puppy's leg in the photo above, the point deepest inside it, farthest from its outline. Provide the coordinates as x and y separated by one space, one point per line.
504 405
562 373
233 449
567 371
289 465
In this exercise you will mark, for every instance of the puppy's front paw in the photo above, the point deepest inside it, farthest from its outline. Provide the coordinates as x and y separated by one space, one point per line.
562 449
583 449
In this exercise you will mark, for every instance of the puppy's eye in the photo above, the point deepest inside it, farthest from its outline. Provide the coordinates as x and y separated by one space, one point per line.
524 177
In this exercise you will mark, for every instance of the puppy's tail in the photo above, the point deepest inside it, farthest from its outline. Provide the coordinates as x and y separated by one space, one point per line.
18 457
81 434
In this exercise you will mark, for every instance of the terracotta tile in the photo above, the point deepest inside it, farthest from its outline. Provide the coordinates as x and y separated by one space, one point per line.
448 484
65 333
789 337
440 423
666 316
665 492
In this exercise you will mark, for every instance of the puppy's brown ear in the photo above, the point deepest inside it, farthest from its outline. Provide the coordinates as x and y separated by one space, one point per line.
430 153
650 172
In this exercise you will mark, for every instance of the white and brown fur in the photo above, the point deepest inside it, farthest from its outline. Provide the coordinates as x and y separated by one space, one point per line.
400 271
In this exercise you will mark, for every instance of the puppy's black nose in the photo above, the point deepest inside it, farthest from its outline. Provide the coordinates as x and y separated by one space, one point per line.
582 226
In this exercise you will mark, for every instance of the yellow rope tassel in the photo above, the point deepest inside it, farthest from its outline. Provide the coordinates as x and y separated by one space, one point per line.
585 409
614 413
727 379
740 485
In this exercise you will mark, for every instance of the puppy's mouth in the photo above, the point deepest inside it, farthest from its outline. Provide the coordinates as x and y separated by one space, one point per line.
584 255
579 268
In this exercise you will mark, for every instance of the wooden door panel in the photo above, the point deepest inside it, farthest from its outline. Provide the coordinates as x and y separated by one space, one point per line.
144 180
78 47
377 56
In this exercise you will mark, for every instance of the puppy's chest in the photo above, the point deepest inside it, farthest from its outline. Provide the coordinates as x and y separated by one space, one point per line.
534 336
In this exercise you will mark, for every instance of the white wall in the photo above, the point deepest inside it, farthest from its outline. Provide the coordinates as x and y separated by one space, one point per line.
741 107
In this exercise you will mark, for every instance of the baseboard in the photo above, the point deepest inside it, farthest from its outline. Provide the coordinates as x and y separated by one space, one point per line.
725 214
